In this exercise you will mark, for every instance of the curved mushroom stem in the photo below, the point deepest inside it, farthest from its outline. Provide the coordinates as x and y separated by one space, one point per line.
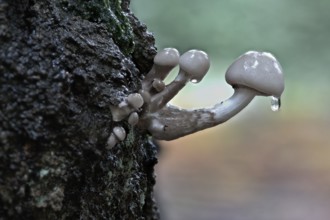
171 122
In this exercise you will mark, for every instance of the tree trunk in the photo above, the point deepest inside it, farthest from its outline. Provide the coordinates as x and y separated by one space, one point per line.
62 64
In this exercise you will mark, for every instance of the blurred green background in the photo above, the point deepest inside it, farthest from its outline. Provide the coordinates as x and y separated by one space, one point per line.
260 164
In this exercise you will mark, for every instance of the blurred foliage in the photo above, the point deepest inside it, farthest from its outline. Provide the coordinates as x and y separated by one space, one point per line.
263 166
295 28
296 31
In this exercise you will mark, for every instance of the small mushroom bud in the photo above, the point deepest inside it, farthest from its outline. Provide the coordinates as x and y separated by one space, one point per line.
133 118
112 141
158 85
120 133
120 112
132 103
135 100
117 134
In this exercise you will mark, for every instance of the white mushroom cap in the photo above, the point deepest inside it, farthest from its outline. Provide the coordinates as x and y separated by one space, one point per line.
120 112
167 57
120 133
111 142
195 64
133 118
259 71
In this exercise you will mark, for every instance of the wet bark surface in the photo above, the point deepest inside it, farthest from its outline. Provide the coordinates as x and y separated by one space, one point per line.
62 64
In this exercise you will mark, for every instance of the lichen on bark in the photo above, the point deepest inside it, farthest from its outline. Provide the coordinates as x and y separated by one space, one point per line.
62 64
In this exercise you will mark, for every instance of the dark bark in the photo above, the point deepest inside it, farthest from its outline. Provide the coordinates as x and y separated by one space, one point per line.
62 63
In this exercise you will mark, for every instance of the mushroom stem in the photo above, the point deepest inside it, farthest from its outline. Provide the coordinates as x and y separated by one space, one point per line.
159 100
238 101
171 122
159 72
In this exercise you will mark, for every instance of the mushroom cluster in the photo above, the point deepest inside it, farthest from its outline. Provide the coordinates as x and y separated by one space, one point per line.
252 74
193 64
118 134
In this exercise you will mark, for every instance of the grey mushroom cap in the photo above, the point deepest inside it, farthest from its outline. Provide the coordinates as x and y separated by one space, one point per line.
195 63
135 100
167 57
259 71
164 61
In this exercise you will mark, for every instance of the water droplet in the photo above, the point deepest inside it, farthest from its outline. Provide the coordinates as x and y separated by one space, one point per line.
275 103
194 80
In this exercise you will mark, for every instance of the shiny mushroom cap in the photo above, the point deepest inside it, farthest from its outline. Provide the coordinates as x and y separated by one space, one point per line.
120 133
195 64
259 71
135 100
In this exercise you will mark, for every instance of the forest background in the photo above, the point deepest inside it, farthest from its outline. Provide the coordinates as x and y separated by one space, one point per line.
260 164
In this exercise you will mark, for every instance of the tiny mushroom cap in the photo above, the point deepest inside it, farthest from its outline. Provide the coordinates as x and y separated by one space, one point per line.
164 61
158 85
195 63
119 112
120 133
167 57
259 71
135 100
111 142
133 118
